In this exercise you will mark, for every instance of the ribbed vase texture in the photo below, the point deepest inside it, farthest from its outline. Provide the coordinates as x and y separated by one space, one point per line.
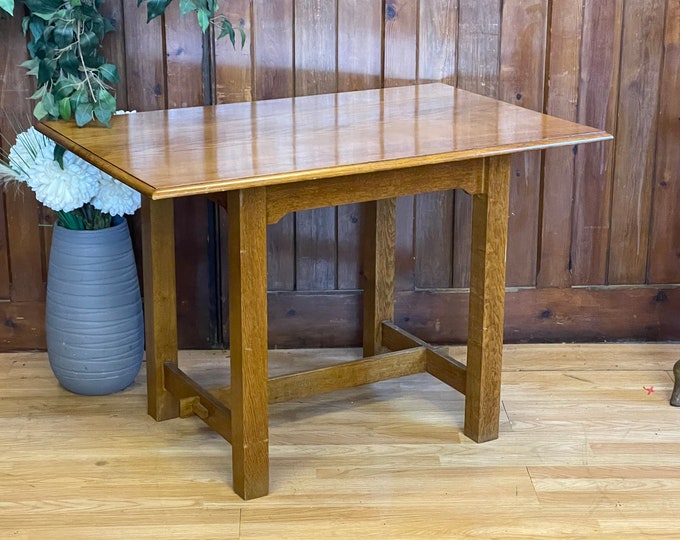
94 323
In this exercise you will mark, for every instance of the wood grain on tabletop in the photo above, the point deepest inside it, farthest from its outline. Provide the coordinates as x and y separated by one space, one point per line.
329 135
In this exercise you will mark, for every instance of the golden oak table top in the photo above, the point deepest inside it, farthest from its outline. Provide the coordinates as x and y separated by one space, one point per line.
197 150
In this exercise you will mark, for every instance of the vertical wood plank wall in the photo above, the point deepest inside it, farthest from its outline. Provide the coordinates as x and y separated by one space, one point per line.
594 247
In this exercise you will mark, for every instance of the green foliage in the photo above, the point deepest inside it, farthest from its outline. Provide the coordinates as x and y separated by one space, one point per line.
206 14
227 29
87 217
65 36
154 8
7 6
73 77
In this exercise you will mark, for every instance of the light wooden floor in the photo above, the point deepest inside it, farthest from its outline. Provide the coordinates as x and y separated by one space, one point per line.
585 452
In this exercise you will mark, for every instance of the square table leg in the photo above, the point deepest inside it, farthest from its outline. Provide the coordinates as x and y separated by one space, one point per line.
160 308
248 341
487 300
379 258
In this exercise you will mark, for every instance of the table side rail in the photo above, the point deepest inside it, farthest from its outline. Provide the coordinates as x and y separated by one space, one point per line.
286 198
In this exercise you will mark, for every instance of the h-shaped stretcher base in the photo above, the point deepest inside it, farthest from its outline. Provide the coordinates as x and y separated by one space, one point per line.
239 413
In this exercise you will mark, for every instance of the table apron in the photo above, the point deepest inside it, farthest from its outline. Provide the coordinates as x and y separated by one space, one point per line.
283 199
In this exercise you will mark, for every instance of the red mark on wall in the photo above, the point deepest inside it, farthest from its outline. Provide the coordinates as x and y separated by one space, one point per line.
649 390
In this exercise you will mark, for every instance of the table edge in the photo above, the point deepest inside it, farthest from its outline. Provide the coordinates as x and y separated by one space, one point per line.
219 186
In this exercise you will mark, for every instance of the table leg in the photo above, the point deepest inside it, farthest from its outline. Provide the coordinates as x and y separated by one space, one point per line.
487 300
160 310
248 341
379 247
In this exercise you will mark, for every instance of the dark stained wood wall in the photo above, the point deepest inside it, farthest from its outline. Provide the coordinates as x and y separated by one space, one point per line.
594 248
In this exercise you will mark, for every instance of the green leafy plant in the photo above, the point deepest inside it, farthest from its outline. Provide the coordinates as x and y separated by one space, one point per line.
73 77
206 13
74 80
7 6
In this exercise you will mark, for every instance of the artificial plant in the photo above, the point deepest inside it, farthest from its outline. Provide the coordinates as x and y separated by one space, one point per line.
65 39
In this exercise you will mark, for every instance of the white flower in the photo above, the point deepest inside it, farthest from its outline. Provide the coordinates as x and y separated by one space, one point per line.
23 154
62 189
115 198
31 160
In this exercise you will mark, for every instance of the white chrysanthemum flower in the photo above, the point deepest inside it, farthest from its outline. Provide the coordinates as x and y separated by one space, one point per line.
24 152
115 198
62 189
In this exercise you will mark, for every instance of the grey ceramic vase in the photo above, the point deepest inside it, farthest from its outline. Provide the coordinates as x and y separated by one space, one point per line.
94 322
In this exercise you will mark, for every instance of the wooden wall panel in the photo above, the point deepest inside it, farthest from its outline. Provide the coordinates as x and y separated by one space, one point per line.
193 222
479 41
522 76
664 252
316 47
272 46
564 63
13 105
401 42
400 67
183 58
638 102
5 279
114 47
274 77
533 315
25 246
315 73
360 24
233 65
437 39
145 61
598 214
22 260
405 270
598 91
231 81
359 68
433 242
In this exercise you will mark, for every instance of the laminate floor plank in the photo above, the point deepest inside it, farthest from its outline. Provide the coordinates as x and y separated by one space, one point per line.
589 448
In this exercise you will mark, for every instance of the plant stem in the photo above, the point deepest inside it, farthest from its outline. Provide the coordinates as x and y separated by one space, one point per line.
82 61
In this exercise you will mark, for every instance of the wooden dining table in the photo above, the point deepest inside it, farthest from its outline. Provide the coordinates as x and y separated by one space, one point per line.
263 160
